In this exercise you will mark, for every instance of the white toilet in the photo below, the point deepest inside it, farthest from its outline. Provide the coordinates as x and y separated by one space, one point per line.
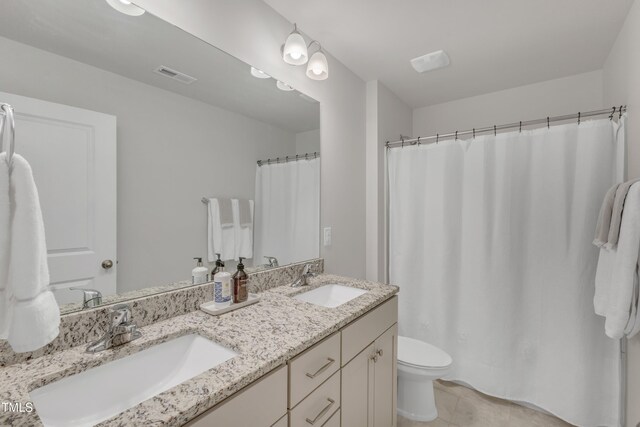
419 364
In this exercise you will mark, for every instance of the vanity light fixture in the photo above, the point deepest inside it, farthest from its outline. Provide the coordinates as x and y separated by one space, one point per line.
259 73
126 7
318 67
283 86
294 51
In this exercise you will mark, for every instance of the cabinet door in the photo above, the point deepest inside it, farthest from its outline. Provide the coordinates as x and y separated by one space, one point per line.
357 390
385 378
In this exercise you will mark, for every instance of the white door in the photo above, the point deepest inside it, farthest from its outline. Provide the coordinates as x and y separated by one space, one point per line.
72 152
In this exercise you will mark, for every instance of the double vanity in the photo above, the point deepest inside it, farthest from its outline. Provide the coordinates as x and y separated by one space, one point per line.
316 355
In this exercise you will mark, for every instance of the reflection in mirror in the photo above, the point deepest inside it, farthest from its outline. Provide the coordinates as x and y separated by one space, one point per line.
130 124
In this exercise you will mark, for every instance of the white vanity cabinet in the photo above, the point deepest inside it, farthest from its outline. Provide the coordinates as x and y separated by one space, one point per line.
369 378
348 379
262 403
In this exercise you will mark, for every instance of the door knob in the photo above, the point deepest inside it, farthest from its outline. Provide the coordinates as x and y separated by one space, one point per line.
107 264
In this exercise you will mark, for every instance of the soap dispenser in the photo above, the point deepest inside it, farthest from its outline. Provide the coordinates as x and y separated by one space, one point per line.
199 274
219 266
240 284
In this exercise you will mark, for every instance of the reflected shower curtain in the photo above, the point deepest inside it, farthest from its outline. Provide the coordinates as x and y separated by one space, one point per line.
287 211
490 243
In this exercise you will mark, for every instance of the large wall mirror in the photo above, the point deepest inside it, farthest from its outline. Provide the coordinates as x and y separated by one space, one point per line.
151 148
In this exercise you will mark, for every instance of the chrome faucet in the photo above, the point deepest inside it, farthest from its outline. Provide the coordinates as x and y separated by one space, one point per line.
273 261
121 331
302 280
90 297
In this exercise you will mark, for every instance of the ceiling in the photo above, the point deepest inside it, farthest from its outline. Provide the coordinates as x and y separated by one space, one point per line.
493 44
90 31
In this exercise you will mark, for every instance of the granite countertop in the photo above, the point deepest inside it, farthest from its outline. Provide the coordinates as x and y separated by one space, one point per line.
265 335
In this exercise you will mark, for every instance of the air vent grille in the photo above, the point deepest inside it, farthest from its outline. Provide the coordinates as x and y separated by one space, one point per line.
174 74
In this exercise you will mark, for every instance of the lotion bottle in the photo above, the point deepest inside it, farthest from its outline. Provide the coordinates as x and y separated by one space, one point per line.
222 289
199 274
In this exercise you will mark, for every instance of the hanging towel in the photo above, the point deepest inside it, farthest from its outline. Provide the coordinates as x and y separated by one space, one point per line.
220 233
624 270
5 214
35 314
616 214
604 219
226 212
243 217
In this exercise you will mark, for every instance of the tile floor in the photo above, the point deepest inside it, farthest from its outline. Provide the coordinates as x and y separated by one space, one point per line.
459 406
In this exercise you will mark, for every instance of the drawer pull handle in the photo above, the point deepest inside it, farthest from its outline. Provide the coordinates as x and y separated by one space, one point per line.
379 352
323 412
322 368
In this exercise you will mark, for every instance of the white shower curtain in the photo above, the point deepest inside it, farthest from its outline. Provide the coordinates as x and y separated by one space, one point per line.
287 223
490 243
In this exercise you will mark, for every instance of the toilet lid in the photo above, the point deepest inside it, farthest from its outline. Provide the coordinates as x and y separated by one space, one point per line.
419 353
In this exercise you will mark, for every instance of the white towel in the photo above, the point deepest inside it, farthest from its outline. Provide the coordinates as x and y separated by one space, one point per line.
617 275
243 224
220 239
604 218
5 213
35 314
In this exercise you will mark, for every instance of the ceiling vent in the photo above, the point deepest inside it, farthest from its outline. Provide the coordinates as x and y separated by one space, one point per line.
430 61
176 75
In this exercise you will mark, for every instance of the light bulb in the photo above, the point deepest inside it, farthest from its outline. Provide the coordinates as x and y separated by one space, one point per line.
295 54
127 2
317 70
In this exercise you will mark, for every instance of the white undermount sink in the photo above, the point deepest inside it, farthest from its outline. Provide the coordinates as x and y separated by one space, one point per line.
330 296
102 392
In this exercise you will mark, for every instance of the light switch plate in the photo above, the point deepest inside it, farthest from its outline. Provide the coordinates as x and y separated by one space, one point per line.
327 236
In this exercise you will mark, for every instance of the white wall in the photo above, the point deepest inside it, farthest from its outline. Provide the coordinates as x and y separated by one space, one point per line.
387 118
567 95
308 142
167 158
253 32
622 86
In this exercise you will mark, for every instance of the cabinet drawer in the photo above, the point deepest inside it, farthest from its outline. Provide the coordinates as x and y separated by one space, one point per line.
364 330
262 403
310 369
334 421
317 408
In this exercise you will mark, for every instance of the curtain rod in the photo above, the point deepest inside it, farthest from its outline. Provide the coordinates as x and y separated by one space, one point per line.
435 138
286 159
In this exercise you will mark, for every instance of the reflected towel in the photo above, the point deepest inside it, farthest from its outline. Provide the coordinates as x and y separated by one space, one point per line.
36 316
226 212
243 227
220 240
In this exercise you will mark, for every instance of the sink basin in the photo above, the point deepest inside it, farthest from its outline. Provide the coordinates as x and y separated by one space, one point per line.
330 295
103 392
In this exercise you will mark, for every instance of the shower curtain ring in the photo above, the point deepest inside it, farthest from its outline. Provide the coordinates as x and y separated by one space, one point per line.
579 117
474 133
456 135
520 126
437 138
548 123
620 111
418 140
612 113
495 132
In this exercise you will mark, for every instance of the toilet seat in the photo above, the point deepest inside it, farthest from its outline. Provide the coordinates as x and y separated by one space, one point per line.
419 354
